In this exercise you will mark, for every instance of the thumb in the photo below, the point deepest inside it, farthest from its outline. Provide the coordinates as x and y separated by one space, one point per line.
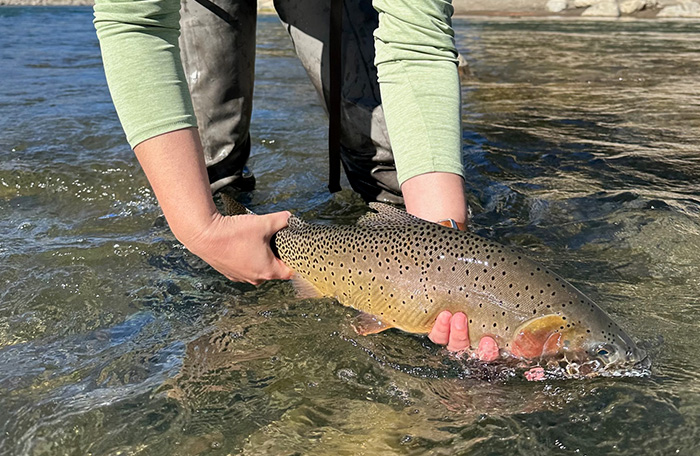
276 221
281 270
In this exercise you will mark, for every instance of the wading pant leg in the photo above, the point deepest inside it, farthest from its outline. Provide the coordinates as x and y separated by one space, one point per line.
365 150
217 43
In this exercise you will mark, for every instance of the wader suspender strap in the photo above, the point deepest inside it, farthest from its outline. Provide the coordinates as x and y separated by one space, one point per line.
335 89
219 11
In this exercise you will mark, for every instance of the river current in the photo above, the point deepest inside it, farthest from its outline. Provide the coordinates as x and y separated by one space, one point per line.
581 149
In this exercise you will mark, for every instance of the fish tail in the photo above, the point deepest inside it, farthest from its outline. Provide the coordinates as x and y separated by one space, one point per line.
233 207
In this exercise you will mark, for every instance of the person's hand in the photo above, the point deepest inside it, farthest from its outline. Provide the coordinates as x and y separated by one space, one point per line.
239 246
453 331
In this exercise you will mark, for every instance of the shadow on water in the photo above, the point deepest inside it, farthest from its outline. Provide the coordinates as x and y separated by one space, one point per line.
580 148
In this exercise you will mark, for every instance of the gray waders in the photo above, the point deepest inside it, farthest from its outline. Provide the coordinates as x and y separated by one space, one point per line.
218 50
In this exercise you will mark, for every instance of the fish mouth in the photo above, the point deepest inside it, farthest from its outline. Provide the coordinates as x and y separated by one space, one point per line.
637 358
644 363
614 359
633 363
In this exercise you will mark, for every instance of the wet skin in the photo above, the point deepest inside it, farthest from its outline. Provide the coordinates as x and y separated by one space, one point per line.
452 330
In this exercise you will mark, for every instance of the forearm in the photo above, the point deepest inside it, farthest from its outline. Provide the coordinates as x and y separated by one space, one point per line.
238 246
417 66
145 76
436 197
174 165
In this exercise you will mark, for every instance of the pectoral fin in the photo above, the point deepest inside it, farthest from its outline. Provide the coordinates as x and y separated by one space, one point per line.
365 324
304 288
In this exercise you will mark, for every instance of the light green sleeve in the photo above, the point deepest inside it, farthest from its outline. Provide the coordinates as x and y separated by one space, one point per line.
139 43
416 62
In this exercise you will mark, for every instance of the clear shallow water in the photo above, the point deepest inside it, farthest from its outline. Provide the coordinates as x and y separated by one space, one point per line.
581 148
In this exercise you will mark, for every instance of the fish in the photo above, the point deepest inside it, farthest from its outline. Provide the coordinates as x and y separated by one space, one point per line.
401 271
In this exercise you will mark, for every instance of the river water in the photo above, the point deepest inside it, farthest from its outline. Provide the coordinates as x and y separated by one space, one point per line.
580 147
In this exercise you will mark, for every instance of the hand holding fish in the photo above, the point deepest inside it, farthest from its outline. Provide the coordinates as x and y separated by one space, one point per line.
238 247
424 196
400 271
453 331
403 272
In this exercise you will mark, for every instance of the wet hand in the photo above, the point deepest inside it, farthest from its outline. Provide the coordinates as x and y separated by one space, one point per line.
453 331
239 247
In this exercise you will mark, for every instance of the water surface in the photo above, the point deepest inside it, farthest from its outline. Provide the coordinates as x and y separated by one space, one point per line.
580 146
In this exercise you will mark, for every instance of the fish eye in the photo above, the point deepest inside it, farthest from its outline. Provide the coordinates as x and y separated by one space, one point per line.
604 351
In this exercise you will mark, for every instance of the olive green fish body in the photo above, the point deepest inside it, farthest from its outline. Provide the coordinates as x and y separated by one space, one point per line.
404 271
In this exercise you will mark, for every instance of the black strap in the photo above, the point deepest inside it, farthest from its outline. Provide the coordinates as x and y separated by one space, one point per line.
219 11
335 94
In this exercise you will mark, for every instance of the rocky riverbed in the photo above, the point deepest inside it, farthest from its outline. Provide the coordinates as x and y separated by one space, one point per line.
590 8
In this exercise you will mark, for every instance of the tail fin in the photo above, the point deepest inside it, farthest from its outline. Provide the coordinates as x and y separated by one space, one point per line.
233 207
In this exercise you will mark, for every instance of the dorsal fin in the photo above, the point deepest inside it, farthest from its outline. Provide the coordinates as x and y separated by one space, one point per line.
233 207
387 215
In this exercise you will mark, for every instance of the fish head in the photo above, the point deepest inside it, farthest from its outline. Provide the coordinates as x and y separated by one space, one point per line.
600 346
614 350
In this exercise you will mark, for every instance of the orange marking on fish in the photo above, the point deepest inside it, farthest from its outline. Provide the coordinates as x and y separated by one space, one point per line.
535 337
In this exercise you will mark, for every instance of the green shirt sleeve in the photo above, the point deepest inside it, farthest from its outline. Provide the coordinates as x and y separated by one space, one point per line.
416 62
139 43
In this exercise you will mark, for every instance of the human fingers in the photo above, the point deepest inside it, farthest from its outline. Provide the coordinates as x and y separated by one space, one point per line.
459 333
535 374
488 349
440 332
275 222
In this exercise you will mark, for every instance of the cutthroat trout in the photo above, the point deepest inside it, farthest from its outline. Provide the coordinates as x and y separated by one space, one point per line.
401 272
